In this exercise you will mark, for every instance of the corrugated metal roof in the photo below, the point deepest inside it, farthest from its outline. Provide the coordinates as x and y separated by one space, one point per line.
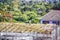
25 28
52 15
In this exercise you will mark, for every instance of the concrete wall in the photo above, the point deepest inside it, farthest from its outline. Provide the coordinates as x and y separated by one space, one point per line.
58 33
25 36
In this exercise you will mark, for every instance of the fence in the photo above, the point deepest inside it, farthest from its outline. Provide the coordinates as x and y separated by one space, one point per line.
6 35
27 36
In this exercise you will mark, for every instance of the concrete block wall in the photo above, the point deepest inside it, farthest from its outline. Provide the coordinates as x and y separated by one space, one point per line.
58 33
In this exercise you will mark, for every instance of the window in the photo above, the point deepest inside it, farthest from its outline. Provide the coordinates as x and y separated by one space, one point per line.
56 22
7 39
2 39
45 22
22 39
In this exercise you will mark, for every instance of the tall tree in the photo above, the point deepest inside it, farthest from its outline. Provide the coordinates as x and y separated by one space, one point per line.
15 4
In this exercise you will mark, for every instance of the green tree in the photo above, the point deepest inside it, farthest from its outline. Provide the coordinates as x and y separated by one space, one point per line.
28 12
57 6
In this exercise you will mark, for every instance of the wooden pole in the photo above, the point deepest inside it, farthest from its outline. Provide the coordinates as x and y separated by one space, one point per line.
3 16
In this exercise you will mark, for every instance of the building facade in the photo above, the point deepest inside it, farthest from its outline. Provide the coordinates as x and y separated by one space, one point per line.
53 17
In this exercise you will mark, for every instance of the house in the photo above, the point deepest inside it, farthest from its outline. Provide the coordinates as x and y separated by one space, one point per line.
52 17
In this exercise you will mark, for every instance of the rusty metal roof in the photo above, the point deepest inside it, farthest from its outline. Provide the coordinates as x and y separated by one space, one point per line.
22 28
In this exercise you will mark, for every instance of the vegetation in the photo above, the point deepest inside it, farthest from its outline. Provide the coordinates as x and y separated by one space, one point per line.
28 12
57 6
25 12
